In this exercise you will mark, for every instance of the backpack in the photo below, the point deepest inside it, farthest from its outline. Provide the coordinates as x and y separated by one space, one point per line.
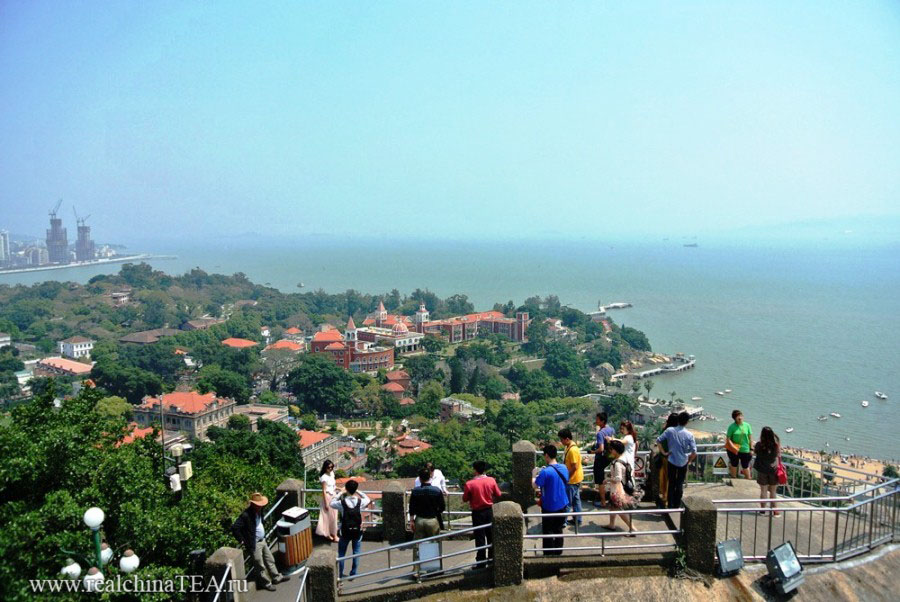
628 481
351 521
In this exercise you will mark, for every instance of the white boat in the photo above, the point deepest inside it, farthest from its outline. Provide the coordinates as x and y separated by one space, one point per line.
822 418
835 414
728 390
864 403
719 393
695 398
880 395
789 429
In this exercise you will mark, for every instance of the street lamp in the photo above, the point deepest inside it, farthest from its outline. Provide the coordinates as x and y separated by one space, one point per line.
93 518
103 555
72 569
93 579
129 562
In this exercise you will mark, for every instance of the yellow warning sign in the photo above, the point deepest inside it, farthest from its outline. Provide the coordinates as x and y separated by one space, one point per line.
720 463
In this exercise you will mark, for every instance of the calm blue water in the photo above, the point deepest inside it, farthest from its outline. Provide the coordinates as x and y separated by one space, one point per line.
795 332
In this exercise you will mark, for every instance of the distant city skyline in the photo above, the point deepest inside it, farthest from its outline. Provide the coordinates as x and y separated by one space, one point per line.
470 120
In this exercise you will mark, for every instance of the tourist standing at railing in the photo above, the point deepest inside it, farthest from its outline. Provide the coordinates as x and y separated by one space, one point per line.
768 454
249 530
349 505
740 438
426 507
572 460
682 449
437 478
671 421
629 440
552 481
327 526
480 492
623 495
601 457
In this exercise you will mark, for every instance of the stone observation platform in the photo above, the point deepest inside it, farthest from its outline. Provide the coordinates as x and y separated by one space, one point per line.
822 529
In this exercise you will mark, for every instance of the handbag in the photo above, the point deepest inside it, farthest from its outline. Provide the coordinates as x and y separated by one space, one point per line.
732 447
781 473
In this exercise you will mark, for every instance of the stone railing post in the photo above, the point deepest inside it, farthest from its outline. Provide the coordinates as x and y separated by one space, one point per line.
321 581
508 530
214 569
698 524
293 489
393 512
523 463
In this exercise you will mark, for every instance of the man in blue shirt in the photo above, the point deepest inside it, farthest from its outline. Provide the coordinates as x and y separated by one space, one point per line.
551 481
682 450
601 460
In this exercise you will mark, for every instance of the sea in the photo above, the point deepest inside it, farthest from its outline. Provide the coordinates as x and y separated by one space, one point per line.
795 331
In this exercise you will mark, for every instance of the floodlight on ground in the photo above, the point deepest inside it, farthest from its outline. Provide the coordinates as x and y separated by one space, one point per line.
731 556
784 568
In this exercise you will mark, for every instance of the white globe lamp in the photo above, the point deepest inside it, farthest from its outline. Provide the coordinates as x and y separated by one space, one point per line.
106 553
129 562
93 518
93 580
72 570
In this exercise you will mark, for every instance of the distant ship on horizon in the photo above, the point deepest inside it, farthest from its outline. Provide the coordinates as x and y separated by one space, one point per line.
691 245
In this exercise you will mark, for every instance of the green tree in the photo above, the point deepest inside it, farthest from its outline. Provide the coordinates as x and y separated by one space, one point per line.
430 396
890 471
635 338
320 385
239 422
114 406
374 459
224 383
648 386
457 376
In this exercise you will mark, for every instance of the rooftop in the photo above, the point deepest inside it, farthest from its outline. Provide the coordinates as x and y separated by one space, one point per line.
189 402
284 345
392 387
239 343
310 438
148 336
77 339
328 335
66 365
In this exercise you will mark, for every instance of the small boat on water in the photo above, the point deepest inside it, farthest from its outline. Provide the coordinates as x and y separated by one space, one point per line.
728 390
720 393
864 403
822 418
880 395
835 414
695 398
846 438
789 429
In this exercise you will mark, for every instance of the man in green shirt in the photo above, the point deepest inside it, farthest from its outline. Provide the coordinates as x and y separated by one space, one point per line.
740 433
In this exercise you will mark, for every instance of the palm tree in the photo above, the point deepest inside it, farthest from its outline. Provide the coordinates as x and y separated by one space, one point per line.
635 386
672 393
648 385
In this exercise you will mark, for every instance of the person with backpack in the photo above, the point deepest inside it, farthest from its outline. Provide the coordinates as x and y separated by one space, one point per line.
350 504
623 493
552 481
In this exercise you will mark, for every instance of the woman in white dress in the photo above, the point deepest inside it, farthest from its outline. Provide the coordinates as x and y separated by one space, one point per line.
629 440
328 516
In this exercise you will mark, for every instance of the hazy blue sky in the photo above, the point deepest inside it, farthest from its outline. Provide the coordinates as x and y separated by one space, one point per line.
451 119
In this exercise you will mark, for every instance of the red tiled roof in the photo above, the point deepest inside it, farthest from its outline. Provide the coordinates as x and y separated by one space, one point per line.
328 335
350 324
397 375
284 344
77 339
66 365
239 343
368 321
411 446
407 401
336 346
136 433
392 387
308 438
189 402
293 330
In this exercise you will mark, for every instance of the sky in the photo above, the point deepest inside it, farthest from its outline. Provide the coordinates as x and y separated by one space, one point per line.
174 119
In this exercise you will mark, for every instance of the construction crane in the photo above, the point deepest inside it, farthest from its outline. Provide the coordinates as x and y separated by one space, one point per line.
55 209
80 220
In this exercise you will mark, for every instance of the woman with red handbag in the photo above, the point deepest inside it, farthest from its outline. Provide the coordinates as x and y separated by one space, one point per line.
768 465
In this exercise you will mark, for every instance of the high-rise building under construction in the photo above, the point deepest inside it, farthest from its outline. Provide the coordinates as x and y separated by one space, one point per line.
57 238
84 246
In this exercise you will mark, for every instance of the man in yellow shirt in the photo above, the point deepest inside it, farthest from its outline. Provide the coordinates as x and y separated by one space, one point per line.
572 460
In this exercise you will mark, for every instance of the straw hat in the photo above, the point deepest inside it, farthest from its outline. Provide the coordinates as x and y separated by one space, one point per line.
258 499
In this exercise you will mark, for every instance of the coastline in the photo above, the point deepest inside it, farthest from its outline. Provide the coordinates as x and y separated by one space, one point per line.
812 458
83 264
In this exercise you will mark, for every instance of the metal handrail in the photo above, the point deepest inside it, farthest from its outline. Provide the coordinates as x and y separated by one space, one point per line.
602 534
302 589
417 541
224 579
606 512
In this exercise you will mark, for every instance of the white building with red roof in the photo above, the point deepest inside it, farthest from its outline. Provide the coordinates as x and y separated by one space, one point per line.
349 352
316 447
189 412
76 347
60 366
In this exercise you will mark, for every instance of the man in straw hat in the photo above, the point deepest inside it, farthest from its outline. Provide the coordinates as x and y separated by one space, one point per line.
249 530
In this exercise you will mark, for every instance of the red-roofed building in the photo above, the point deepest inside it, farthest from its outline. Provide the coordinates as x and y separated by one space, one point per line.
135 432
456 329
187 411
60 366
236 343
285 345
407 401
317 447
350 353
405 446
394 389
401 377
